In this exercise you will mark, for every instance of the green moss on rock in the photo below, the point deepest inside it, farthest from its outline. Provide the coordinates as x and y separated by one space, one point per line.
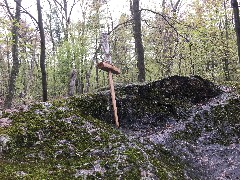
62 142
75 137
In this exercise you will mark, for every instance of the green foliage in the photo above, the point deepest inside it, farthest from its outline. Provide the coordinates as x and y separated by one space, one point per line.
197 40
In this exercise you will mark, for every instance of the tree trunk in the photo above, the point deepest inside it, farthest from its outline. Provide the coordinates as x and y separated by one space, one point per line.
226 49
51 30
192 65
43 53
71 88
33 59
15 66
237 24
87 81
96 59
67 20
137 33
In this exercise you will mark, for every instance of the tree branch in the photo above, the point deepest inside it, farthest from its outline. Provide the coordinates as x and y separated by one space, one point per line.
74 3
165 18
56 2
51 8
25 11
121 24
175 6
8 9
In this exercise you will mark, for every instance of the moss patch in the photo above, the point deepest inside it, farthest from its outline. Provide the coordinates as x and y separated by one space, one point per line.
61 142
75 137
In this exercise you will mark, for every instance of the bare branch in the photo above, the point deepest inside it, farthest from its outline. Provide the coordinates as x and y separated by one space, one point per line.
25 11
175 6
56 2
165 18
8 9
74 3
121 24
49 1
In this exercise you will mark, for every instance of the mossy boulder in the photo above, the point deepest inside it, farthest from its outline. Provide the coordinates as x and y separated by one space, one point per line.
54 141
220 122
163 135
155 101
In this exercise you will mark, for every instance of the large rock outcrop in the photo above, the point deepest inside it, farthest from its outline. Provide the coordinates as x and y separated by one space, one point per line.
175 128
159 100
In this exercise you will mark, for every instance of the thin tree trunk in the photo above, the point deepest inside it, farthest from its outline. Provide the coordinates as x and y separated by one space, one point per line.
51 35
72 83
15 66
24 64
97 79
180 67
237 24
8 66
8 57
212 69
31 69
96 49
67 20
226 51
137 33
43 53
87 81
192 67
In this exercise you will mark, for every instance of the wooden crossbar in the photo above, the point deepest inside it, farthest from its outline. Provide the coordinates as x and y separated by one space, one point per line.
108 67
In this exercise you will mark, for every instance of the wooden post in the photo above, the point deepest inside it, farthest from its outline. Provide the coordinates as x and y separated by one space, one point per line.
107 66
113 98
111 70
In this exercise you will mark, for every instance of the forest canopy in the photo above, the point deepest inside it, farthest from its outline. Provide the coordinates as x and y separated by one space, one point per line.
42 43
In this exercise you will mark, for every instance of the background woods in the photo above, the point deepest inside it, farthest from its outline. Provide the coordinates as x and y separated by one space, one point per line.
148 42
